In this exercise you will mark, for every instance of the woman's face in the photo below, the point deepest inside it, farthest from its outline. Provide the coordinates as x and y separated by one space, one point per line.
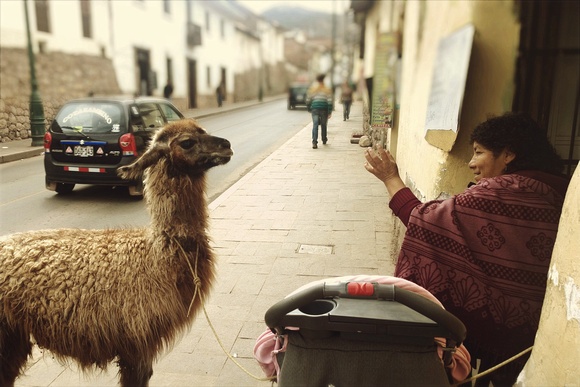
484 164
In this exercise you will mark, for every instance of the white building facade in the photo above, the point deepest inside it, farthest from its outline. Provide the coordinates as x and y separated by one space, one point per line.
195 45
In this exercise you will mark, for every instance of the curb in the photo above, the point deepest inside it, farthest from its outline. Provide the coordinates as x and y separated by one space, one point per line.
38 151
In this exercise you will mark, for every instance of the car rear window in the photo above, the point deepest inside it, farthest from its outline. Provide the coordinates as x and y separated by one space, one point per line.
90 117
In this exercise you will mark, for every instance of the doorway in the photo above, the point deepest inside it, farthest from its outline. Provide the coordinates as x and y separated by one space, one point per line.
143 63
548 75
192 83
223 82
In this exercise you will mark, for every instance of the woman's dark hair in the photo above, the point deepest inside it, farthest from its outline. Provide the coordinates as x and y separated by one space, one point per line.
320 77
521 135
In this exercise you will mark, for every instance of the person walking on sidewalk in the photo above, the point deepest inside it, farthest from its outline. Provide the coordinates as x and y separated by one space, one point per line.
485 253
220 94
319 101
346 99
168 90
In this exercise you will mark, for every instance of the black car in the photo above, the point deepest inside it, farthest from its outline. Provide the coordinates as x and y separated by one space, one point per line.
91 137
297 95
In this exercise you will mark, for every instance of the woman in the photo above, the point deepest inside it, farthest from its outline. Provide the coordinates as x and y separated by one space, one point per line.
485 253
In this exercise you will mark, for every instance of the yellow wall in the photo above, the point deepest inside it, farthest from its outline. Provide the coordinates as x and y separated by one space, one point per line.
489 86
555 359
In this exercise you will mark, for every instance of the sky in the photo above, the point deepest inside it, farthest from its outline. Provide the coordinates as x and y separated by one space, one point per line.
259 6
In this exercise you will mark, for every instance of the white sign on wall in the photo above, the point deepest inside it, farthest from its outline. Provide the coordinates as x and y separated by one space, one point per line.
448 83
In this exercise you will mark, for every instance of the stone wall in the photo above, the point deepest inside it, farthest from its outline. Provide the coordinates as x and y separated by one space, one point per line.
275 82
60 77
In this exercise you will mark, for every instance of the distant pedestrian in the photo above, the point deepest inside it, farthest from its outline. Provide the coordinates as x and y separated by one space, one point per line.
346 99
168 90
319 101
219 92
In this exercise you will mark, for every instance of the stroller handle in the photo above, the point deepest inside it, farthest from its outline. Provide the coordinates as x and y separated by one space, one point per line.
418 303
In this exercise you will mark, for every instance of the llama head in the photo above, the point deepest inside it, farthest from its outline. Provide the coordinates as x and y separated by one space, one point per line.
187 149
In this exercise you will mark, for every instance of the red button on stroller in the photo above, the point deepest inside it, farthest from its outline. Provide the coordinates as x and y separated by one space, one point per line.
343 332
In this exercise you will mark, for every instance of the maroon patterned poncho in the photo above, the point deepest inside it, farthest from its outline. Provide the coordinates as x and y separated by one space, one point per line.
485 255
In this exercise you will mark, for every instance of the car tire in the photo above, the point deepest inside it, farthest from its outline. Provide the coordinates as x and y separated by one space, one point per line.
136 191
64 188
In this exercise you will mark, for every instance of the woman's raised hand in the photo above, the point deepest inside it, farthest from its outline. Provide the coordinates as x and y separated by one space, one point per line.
382 164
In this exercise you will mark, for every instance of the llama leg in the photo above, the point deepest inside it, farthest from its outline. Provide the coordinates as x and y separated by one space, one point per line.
135 374
15 347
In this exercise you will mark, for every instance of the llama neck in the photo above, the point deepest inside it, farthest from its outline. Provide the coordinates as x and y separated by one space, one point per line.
177 206
179 223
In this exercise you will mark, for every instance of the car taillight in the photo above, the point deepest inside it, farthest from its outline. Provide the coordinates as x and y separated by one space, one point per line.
128 144
47 141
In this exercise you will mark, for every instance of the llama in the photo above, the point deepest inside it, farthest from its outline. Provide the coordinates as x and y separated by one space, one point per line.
97 296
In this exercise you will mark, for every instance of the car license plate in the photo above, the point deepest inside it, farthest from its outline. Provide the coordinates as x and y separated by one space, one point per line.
83 151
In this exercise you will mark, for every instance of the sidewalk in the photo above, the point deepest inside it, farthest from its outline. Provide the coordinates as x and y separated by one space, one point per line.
299 216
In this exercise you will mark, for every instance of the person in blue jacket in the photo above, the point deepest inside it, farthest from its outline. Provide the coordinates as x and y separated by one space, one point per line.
319 101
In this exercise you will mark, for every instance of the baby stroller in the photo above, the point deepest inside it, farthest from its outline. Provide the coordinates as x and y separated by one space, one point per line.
362 330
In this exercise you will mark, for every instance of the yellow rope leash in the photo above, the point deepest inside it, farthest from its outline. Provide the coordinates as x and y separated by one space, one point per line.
197 282
272 378
492 369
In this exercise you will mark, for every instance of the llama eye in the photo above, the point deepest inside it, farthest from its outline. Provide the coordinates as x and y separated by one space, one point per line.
187 144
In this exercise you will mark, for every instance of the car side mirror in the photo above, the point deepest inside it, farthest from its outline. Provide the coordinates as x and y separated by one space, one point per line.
135 111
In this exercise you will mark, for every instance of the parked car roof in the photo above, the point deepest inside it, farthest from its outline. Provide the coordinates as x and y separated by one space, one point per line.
126 99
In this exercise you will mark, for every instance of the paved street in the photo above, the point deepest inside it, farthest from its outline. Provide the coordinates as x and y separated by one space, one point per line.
268 231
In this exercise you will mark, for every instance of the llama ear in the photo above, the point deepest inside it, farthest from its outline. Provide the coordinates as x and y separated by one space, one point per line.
135 171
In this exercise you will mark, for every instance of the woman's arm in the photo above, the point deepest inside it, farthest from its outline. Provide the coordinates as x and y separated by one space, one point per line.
403 203
382 164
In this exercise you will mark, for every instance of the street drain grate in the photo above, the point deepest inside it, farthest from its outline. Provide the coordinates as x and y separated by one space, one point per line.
315 249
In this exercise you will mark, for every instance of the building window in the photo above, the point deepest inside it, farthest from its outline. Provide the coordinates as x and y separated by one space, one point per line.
86 18
208 76
193 35
207 21
166 6
42 19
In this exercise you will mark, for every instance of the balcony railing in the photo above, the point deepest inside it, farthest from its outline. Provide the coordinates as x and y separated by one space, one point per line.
193 35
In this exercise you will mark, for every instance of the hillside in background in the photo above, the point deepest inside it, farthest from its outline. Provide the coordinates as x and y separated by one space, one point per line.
315 24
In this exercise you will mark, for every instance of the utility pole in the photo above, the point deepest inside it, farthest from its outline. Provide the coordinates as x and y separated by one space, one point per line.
36 110
261 69
333 48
